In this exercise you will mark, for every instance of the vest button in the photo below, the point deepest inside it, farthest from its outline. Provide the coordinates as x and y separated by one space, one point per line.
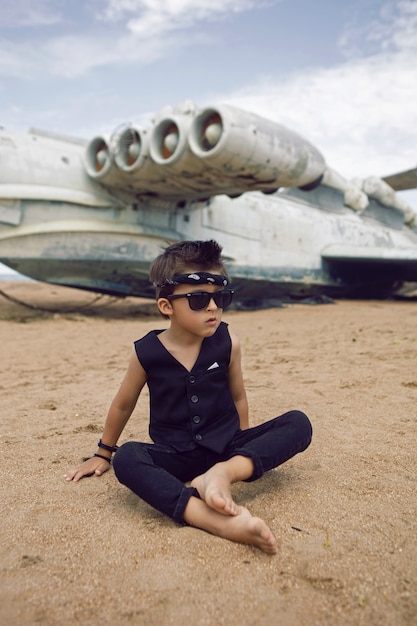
198 437
191 379
196 419
194 399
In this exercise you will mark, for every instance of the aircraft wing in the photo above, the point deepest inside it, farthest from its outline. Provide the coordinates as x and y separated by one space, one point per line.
376 255
402 180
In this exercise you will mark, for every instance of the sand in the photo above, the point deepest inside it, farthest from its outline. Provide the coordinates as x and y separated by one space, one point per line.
344 512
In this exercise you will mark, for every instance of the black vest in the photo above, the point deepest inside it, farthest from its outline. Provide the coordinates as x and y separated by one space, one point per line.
189 409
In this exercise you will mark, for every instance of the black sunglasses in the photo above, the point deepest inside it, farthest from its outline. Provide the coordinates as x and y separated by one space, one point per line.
199 300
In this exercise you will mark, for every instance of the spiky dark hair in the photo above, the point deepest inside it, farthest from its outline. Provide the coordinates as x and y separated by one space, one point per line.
182 257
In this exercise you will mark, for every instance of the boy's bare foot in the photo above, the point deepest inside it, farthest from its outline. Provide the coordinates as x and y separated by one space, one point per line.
214 488
253 531
242 528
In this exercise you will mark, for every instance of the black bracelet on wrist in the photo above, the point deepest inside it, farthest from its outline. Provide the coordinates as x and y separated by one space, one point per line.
106 447
101 456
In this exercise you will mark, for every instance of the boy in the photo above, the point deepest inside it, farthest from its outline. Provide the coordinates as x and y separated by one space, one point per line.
198 407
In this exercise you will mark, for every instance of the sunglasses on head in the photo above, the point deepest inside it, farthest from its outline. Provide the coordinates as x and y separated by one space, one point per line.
199 300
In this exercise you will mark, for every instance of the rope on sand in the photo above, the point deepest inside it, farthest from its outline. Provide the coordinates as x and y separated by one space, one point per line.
35 307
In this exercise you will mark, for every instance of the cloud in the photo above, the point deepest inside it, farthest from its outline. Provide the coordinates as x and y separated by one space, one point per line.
393 28
162 16
362 113
150 17
17 14
74 56
124 31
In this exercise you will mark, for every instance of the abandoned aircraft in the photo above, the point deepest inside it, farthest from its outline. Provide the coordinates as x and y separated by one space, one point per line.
93 215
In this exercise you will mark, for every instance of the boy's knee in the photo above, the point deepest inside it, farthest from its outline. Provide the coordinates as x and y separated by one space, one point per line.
123 459
303 427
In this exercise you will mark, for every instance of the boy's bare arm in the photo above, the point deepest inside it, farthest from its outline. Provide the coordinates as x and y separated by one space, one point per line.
118 415
236 383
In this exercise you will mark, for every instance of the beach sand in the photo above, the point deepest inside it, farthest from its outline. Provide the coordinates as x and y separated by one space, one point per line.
344 512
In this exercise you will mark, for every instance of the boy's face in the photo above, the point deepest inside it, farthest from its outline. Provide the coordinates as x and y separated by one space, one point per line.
203 321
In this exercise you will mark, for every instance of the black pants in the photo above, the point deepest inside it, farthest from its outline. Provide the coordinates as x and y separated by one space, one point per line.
157 473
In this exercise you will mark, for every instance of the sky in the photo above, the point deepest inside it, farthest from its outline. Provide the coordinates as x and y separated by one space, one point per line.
342 73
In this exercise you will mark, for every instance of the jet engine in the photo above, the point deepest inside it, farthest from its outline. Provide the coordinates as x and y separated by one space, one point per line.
193 155
246 146
149 157
100 164
131 149
169 148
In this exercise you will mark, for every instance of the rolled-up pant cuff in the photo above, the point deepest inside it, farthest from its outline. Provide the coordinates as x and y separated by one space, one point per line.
257 462
182 502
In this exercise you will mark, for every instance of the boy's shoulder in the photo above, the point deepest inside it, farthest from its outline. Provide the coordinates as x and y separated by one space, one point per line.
149 337
152 334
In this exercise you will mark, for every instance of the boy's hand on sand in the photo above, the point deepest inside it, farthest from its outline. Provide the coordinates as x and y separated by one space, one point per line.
92 466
